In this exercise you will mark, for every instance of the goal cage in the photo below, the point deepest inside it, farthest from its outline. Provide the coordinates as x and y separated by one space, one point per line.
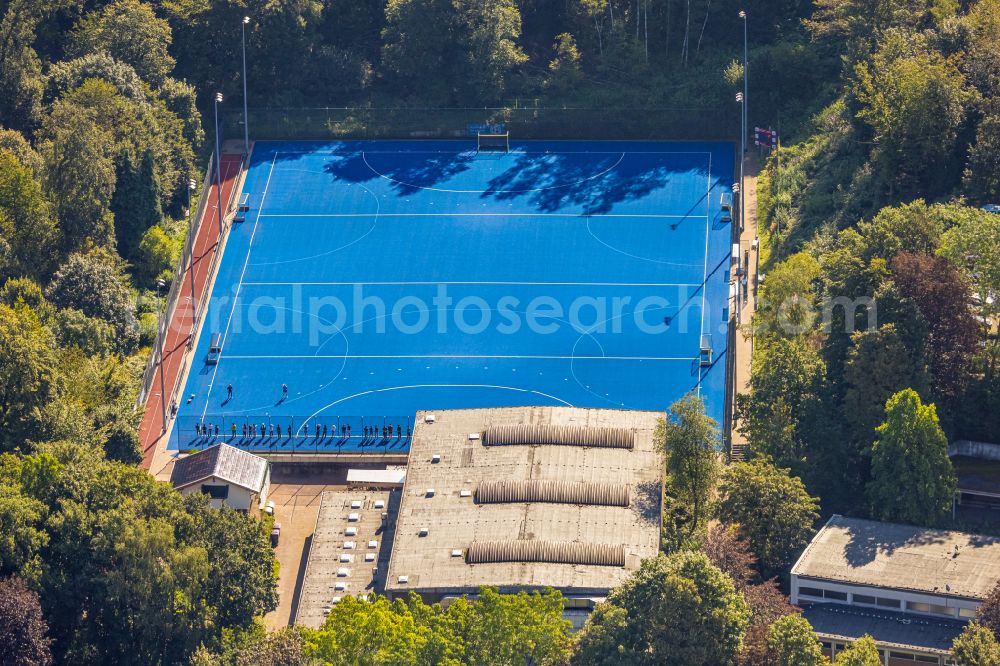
493 143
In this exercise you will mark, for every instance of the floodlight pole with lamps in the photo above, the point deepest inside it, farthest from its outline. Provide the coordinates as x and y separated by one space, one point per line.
746 92
246 119
191 234
218 164
159 345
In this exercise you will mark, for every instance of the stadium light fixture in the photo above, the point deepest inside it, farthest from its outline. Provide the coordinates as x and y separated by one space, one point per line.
190 188
246 120
218 164
161 331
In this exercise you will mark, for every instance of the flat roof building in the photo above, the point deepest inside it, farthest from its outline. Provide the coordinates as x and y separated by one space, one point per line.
527 497
913 589
348 552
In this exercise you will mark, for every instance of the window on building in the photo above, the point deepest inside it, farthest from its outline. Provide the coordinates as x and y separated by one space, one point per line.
215 492
968 613
888 603
836 596
863 599
811 592
902 656
933 609
926 659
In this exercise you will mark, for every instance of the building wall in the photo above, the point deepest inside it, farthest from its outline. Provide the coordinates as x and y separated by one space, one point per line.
239 498
909 602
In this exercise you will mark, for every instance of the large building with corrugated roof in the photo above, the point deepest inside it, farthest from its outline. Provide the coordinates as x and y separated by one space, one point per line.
526 498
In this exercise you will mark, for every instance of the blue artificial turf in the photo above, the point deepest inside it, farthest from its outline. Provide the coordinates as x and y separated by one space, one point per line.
377 278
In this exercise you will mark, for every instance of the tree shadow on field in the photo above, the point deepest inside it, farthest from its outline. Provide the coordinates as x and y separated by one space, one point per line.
408 172
594 182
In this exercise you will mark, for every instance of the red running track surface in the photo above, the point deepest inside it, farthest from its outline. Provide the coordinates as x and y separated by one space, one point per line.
179 328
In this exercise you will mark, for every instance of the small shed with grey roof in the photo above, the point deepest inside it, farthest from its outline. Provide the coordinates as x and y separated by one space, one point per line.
527 497
230 476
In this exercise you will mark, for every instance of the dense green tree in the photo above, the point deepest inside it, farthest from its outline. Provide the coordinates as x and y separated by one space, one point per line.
80 175
976 646
95 284
690 440
28 375
564 68
732 554
240 583
912 478
942 296
982 173
971 245
21 537
66 76
677 609
787 299
129 31
136 202
452 50
794 643
862 652
28 233
879 364
23 632
779 413
492 628
914 101
772 509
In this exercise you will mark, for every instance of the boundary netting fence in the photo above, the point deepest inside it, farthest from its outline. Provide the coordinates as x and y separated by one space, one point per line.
522 123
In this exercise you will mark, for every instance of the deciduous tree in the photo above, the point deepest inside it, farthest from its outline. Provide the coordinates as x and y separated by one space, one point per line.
976 646
677 609
794 643
23 633
912 477
772 509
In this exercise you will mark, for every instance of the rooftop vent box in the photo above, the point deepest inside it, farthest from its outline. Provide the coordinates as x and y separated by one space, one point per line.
385 516
369 557
356 504
423 531
343 572
436 458
403 579
473 435
465 493
429 418
379 504
373 544
353 517
348 545
344 557
336 600
457 552
351 531
430 492
340 587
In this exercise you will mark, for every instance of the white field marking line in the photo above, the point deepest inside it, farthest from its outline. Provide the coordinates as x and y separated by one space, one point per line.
239 286
498 214
378 207
470 151
463 356
418 386
523 284
704 281
505 191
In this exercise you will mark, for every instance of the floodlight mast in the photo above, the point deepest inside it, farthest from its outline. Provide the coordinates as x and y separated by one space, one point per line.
246 119
218 165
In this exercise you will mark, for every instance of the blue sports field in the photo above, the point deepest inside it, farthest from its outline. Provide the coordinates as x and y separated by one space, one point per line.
376 278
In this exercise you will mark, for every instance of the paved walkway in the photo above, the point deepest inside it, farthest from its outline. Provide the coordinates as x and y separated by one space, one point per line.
179 330
747 295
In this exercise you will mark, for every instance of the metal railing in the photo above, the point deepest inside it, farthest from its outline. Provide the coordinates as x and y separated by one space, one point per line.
186 263
291 434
